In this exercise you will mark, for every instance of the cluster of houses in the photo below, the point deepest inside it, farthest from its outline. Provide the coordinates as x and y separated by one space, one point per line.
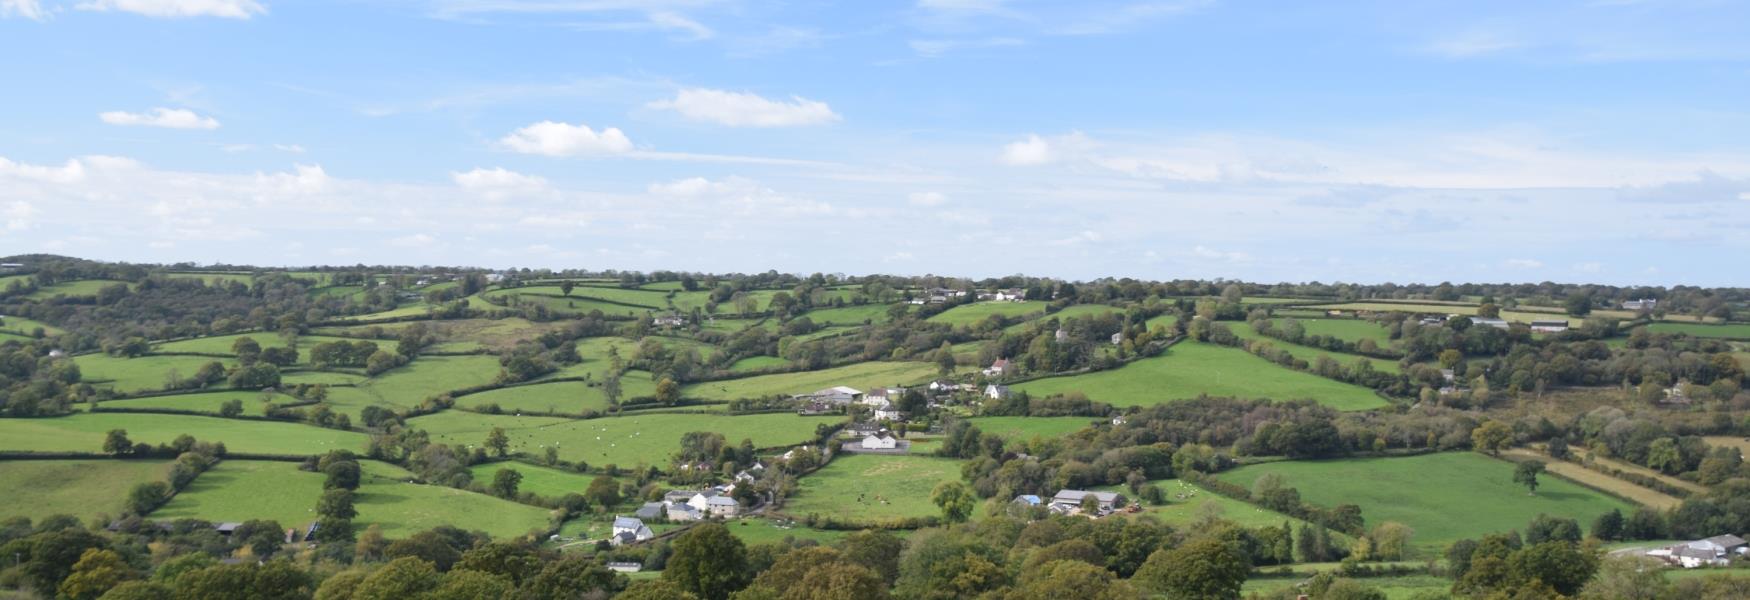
943 295
1716 551
1077 503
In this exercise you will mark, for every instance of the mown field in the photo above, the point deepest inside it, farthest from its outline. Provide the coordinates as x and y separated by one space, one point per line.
240 490
625 440
973 313
84 287
1737 331
764 531
26 328
873 488
408 386
207 402
543 481
861 376
1187 503
221 344
1444 497
84 432
1351 330
754 363
1027 427
81 488
1189 369
849 315
402 509
141 374
1311 354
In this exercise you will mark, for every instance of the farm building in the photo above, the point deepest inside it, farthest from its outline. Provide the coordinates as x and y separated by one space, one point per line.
944 386
881 397
1069 502
712 504
651 510
1489 322
1715 551
669 321
1642 304
684 512
998 368
889 414
1551 326
1027 500
625 567
836 395
996 392
1010 295
628 530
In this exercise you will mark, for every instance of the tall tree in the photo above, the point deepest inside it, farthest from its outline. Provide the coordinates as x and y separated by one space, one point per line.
708 561
1526 474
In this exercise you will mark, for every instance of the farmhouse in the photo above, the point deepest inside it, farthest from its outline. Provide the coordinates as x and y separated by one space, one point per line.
1011 295
889 414
1431 321
1715 551
1027 500
1642 304
998 368
683 512
669 321
882 440
625 567
996 392
837 395
881 397
1117 338
712 504
1552 326
1069 502
628 530
651 510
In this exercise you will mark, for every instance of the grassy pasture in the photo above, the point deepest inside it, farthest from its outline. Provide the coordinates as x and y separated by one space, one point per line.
645 298
1309 353
1632 491
873 488
972 313
1027 427
543 481
849 315
240 490
214 279
1188 369
1397 587
1522 316
763 531
1186 504
1351 330
84 287
82 488
384 498
861 376
84 432
824 333
411 310
570 397
1444 497
1166 320
24 327
141 374
203 402
429 376
221 344
624 440
753 363
578 305
1736 331
323 377
1082 311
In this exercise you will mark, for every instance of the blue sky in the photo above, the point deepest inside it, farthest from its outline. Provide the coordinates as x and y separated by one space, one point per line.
1599 141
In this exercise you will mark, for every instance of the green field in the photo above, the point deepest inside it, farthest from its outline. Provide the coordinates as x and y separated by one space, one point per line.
1188 369
213 279
1737 331
543 481
84 432
410 385
25 327
849 315
754 363
973 313
568 397
1166 321
861 376
142 374
1186 503
240 490
763 531
1522 316
82 488
207 402
1027 427
1351 330
385 498
872 488
322 377
1444 497
86 287
1398 587
625 440
221 344
1309 353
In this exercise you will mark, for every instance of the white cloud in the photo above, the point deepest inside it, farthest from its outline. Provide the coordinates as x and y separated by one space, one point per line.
230 9
498 184
1744 196
1589 267
655 21
1524 263
1205 252
73 171
938 47
29 9
564 139
741 109
18 214
305 180
292 148
901 256
926 198
171 118
689 187
1472 44
740 196
417 240
1036 150
1079 238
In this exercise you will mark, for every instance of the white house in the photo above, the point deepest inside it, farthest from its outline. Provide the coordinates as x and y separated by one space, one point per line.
889 414
1118 338
1642 304
1061 335
714 505
998 368
682 511
837 395
1715 551
1011 295
943 386
880 441
669 321
996 392
629 529
883 396
1489 322
625 567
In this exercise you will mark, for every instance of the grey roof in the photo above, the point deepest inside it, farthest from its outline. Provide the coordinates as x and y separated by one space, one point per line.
650 510
1688 552
1726 541
1076 496
721 501
627 523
